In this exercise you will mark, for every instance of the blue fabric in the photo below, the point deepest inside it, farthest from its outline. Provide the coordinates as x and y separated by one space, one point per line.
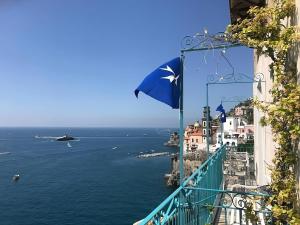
223 114
220 108
223 117
163 84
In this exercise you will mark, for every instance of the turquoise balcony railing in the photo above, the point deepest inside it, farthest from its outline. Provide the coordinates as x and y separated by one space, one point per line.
202 200
196 203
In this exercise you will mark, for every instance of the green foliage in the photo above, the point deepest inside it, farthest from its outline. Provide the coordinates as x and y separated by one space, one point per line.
265 31
250 213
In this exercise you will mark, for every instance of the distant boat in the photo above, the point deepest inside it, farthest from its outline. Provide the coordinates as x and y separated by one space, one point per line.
65 138
114 148
16 177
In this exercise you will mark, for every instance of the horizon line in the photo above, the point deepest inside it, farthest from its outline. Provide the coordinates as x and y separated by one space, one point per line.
88 127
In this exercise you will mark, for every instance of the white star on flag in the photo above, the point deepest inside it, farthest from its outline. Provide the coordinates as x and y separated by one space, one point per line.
171 78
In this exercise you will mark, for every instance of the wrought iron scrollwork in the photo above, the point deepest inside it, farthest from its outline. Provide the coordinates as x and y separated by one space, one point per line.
234 78
206 41
242 200
259 77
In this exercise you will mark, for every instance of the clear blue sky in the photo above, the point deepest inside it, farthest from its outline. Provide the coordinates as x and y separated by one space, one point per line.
77 62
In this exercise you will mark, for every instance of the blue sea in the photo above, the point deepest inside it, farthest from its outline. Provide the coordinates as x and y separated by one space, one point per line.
96 179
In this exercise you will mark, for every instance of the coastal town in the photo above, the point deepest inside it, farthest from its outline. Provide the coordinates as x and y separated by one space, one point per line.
237 133
238 129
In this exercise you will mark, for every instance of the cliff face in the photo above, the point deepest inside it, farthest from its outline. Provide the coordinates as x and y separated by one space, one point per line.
192 161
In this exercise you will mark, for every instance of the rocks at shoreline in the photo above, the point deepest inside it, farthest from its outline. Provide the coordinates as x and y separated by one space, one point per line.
174 140
192 161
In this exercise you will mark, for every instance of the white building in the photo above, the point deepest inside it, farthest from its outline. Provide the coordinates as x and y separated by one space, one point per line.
229 135
231 124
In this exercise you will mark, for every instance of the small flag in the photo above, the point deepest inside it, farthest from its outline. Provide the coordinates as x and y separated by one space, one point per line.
163 84
223 117
223 114
220 108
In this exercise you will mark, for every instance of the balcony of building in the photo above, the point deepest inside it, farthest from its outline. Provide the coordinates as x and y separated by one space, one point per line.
220 191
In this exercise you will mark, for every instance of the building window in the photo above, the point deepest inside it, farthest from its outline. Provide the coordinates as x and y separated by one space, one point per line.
230 123
209 132
192 139
204 123
196 140
204 131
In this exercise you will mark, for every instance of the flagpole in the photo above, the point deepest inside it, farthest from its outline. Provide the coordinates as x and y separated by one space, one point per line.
181 121
222 133
221 128
181 165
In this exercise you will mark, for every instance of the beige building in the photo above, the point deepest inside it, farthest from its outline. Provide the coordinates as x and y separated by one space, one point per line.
264 146
193 138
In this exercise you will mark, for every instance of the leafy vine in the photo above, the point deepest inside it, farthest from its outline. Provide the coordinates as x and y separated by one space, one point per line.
268 30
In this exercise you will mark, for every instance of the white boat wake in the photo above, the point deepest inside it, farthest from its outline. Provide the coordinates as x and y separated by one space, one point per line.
4 153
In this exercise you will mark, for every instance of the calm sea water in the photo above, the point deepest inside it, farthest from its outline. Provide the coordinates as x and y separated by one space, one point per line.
99 180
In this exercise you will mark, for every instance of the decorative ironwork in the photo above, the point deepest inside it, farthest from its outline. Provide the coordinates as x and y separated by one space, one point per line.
259 77
234 203
207 41
241 200
234 78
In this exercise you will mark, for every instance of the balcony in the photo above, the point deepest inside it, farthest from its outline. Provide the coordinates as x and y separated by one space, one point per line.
203 198
239 8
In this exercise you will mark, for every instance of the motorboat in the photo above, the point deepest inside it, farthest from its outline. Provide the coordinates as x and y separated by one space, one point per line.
65 138
16 177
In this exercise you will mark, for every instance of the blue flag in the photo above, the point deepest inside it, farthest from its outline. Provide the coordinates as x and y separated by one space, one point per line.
223 114
223 117
220 108
163 84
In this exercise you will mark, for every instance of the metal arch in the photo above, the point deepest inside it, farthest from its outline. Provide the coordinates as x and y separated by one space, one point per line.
207 41
234 78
